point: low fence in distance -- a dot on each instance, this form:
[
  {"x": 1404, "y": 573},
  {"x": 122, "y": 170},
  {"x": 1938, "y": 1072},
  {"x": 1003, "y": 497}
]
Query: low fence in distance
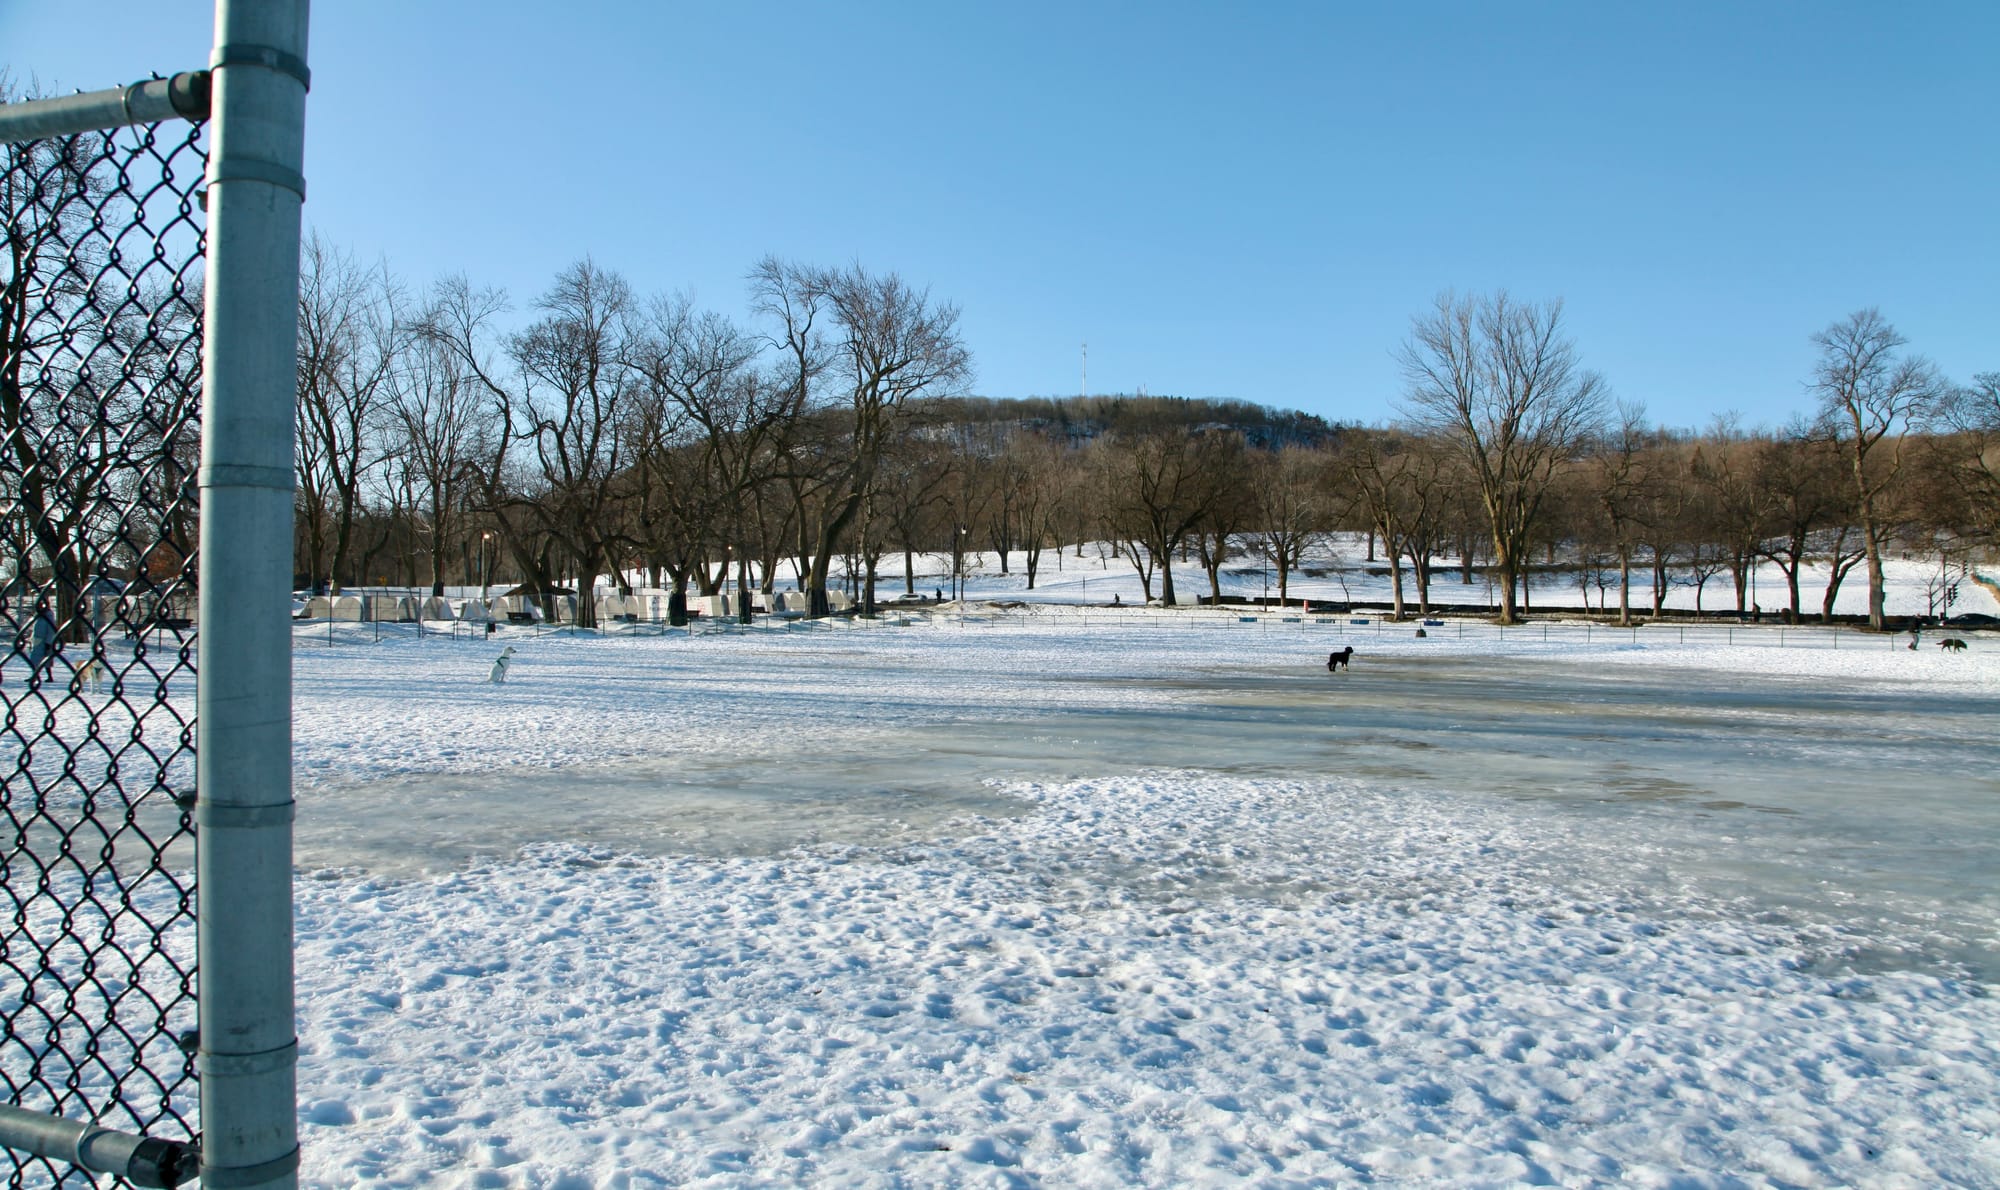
[{"x": 1012, "y": 615}]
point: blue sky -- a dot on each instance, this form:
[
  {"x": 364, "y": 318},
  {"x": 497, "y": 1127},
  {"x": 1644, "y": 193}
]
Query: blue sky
[{"x": 1245, "y": 201}]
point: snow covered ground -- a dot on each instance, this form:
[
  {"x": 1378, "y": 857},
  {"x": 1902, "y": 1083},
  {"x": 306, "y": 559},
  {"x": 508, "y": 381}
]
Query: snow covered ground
[
  {"x": 1069, "y": 898},
  {"x": 1341, "y": 571}
]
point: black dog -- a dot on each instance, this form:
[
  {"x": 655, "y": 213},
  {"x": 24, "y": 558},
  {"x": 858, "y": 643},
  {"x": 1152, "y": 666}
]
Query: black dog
[
  {"x": 1952, "y": 644},
  {"x": 1338, "y": 658}
]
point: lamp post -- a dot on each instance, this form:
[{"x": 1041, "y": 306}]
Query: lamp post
[
  {"x": 485, "y": 565},
  {"x": 958, "y": 566}
]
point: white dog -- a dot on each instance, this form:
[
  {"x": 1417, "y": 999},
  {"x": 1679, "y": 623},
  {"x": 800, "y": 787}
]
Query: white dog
[{"x": 499, "y": 675}]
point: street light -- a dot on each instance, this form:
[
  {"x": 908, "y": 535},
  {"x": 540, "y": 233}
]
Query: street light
[
  {"x": 485, "y": 566},
  {"x": 958, "y": 567}
]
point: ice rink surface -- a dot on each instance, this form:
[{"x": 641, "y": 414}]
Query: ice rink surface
[{"x": 1085, "y": 899}]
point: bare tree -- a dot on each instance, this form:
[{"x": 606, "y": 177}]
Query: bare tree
[
  {"x": 1578, "y": 520},
  {"x": 702, "y": 428},
  {"x": 1841, "y": 549},
  {"x": 1798, "y": 475},
  {"x": 1430, "y": 496},
  {"x": 1045, "y": 483},
  {"x": 705, "y": 365},
  {"x": 351, "y": 335},
  {"x": 916, "y": 473},
  {"x": 1157, "y": 488},
  {"x": 1219, "y": 534},
  {"x": 1726, "y": 468},
  {"x": 577, "y": 380},
  {"x": 98, "y": 382},
  {"x": 1292, "y": 509},
  {"x": 460, "y": 320},
  {"x": 1116, "y": 526},
  {"x": 674, "y": 497},
  {"x": 1426, "y": 497},
  {"x": 963, "y": 500},
  {"x": 1003, "y": 472},
  {"x": 1618, "y": 475},
  {"x": 1500, "y": 381},
  {"x": 885, "y": 344},
  {"x": 51, "y": 471},
  {"x": 435, "y": 407},
  {"x": 1970, "y": 456},
  {"x": 1394, "y": 483},
  {"x": 1871, "y": 396}
]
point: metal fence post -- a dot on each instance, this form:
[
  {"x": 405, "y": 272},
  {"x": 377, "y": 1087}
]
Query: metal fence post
[{"x": 248, "y": 1042}]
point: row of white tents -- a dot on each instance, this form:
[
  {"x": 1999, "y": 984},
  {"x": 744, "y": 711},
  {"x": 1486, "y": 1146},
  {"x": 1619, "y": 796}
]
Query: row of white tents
[{"x": 641, "y": 606}]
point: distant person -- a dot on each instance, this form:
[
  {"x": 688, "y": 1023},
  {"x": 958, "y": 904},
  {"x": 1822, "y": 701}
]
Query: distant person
[
  {"x": 937, "y": 595},
  {"x": 41, "y": 644},
  {"x": 1114, "y": 600}
]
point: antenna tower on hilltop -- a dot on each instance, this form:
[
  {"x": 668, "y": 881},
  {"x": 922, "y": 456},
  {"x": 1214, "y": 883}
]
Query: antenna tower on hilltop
[{"x": 1083, "y": 389}]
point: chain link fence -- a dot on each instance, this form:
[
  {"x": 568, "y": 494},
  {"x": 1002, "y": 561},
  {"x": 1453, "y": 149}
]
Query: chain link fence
[{"x": 100, "y": 401}]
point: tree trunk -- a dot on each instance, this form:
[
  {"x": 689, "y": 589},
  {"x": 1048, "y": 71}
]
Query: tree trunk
[
  {"x": 437, "y": 563},
  {"x": 1625, "y": 588},
  {"x": 1142, "y": 564},
  {"x": 1877, "y": 601}
]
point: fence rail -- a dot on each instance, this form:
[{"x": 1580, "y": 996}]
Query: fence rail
[{"x": 322, "y": 631}]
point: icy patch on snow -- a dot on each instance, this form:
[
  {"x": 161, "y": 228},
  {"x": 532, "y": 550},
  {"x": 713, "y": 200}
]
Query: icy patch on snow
[{"x": 1482, "y": 911}]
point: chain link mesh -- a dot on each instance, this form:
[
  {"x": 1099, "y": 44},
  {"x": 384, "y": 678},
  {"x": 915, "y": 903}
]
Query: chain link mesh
[{"x": 100, "y": 371}]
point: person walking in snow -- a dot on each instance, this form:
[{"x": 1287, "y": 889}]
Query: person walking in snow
[{"x": 41, "y": 644}]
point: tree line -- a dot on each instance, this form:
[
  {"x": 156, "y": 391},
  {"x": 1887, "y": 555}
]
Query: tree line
[
  {"x": 598, "y": 434},
  {"x": 611, "y": 434},
  {"x": 614, "y": 436}
]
